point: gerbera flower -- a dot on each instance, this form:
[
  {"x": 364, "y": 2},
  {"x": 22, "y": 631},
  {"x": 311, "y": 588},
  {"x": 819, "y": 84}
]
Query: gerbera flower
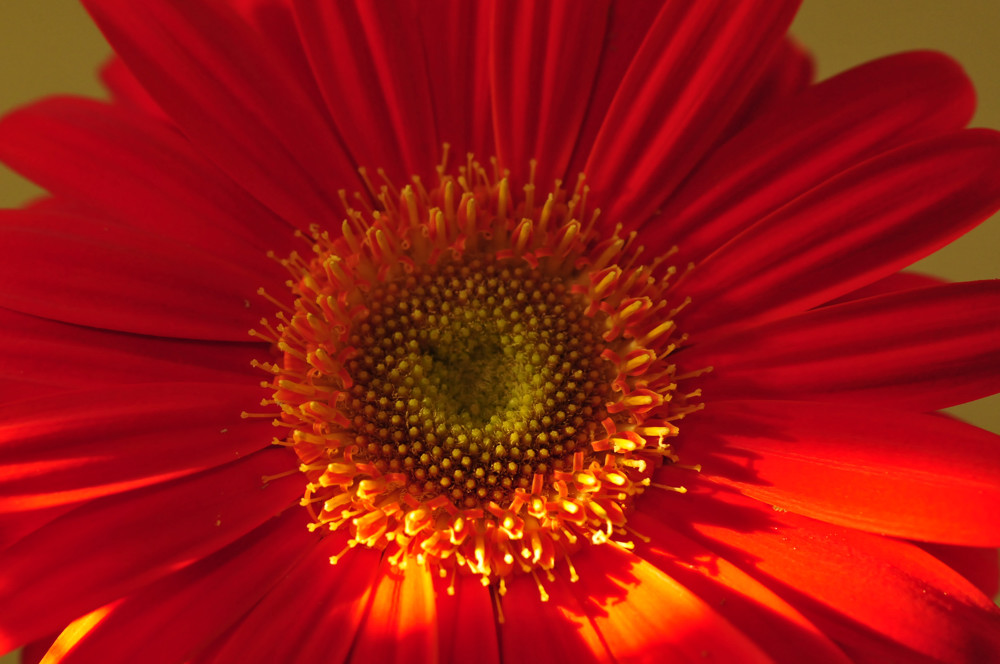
[{"x": 682, "y": 407}]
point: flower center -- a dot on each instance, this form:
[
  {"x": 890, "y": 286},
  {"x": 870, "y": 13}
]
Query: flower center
[
  {"x": 472, "y": 381},
  {"x": 472, "y": 377}
]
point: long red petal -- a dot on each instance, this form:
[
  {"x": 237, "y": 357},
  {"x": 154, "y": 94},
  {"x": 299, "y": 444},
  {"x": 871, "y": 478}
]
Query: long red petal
[
  {"x": 140, "y": 173},
  {"x": 686, "y": 82},
  {"x": 879, "y": 598},
  {"x": 629, "y": 600},
  {"x": 142, "y": 535},
  {"x": 77, "y": 446},
  {"x": 542, "y": 62},
  {"x": 15, "y": 526},
  {"x": 274, "y": 22},
  {"x": 466, "y": 621},
  {"x": 215, "y": 77},
  {"x": 553, "y": 631},
  {"x": 402, "y": 621},
  {"x": 33, "y": 652},
  {"x": 456, "y": 45},
  {"x": 175, "y": 617},
  {"x": 93, "y": 272},
  {"x": 312, "y": 615},
  {"x": 367, "y": 59},
  {"x": 864, "y": 224},
  {"x": 627, "y": 25},
  {"x": 899, "y": 281},
  {"x": 775, "y": 626},
  {"x": 980, "y": 565},
  {"x": 789, "y": 72},
  {"x": 808, "y": 139},
  {"x": 920, "y": 349},
  {"x": 127, "y": 91},
  {"x": 40, "y": 356},
  {"x": 923, "y": 477}
]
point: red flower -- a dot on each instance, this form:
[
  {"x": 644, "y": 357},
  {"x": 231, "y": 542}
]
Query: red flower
[{"x": 522, "y": 435}]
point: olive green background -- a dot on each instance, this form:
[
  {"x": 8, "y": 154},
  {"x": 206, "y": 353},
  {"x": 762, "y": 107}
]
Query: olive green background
[{"x": 50, "y": 46}]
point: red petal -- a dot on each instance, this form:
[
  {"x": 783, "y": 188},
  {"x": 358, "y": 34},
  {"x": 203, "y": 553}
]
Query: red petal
[
  {"x": 686, "y": 82},
  {"x": 368, "y": 62},
  {"x": 774, "y": 625},
  {"x": 553, "y": 631},
  {"x": 143, "y": 174},
  {"x": 115, "y": 545},
  {"x": 981, "y": 566},
  {"x": 40, "y": 356},
  {"x": 218, "y": 81},
  {"x": 628, "y": 599},
  {"x": 860, "y": 226},
  {"x": 880, "y": 599},
  {"x": 77, "y": 446},
  {"x": 627, "y": 25},
  {"x": 274, "y": 22},
  {"x": 542, "y": 62},
  {"x": 789, "y": 72},
  {"x": 923, "y": 477},
  {"x": 465, "y": 621},
  {"x": 808, "y": 139},
  {"x": 33, "y": 652},
  {"x": 126, "y": 90},
  {"x": 173, "y": 618},
  {"x": 402, "y": 620},
  {"x": 899, "y": 281},
  {"x": 312, "y": 615},
  {"x": 96, "y": 273},
  {"x": 75, "y": 631},
  {"x": 455, "y": 44},
  {"x": 15, "y": 526},
  {"x": 920, "y": 349}
]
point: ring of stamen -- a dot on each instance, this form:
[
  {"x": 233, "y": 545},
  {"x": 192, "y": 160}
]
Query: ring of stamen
[{"x": 473, "y": 381}]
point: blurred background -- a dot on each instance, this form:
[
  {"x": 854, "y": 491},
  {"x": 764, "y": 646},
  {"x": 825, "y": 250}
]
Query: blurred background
[{"x": 50, "y": 46}]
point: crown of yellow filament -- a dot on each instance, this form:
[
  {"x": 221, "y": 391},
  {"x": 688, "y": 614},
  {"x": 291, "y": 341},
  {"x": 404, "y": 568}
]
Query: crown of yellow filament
[{"x": 475, "y": 381}]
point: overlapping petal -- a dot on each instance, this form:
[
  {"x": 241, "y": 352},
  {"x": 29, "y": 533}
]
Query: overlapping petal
[
  {"x": 330, "y": 603},
  {"x": 92, "y": 443},
  {"x": 921, "y": 349},
  {"x": 551, "y": 631},
  {"x": 778, "y": 629},
  {"x": 862, "y": 225},
  {"x": 401, "y": 625},
  {"x": 466, "y": 623},
  {"x": 924, "y": 477},
  {"x": 880, "y": 599},
  {"x": 97, "y": 273},
  {"x": 139, "y": 172},
  {"x": 452, "y": 33},
  {"x": 242, "y": 112},
  {"x": 977, "y": 564},
  {"x": 40, "y": 356},
  {"x": 627, "y": 25},
  {"x": 644, "y": 615},
  {"x": 687, "y": 80},
  {"x": 800, "y": 143},
  {"x": 537, "y": 105},
  {"x": 178, "y": 615},
  {"x": 154, "y": 530},
  {"x": 371, "y": 71}
]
